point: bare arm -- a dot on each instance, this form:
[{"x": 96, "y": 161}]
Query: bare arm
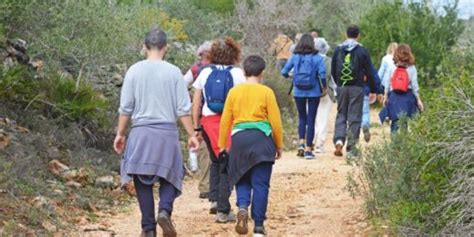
[{"x": 197, "y": 106}]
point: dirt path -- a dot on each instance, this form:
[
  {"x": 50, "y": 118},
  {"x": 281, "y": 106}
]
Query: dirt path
[{"x": 307, "y": 198}]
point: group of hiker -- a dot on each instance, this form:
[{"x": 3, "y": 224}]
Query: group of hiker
[{"x": 233, "y": 121}]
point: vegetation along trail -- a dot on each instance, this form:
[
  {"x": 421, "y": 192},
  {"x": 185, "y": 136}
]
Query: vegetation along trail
[{"x": 307, "y": 198}]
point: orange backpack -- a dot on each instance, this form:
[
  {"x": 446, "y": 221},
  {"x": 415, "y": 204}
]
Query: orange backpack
[{"x": 400, "y": 80}]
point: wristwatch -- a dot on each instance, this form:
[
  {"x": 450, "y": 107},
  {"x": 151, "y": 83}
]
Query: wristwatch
[{"x": 198, "y": 129}]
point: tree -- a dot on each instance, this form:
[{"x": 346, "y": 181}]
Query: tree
[{"x": 430, "y": 35}]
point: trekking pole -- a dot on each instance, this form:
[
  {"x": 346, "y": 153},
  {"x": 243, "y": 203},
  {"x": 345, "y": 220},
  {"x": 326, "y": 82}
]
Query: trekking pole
[{"x": 291, "y": 87}]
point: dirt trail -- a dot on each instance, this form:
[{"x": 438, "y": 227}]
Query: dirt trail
[{"x": 307, "y": 198}]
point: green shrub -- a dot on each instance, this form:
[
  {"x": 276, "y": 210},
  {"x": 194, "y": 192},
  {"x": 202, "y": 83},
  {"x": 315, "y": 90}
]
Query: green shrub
[
  {"x": 56, "y": 97},
  {"x": 420, "y": 179}
]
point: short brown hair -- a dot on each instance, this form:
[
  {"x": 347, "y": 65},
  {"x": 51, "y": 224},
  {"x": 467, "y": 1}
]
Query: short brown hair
[
  {"x": 403, "y": 55},
  {"x": 225, "y": 51}
]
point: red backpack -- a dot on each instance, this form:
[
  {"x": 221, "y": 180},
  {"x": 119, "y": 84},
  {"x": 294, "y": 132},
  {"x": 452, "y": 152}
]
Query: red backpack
[
  {"x": 197, "y": 68},
  {"x": 400, "y": 80}
]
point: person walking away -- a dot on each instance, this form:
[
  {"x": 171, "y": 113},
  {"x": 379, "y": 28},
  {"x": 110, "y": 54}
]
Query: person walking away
[
  {"x": 309, "y": 82},
  {"x": 213, "y": 84},
  {"x": 369, "y": 98},
  {"x": 204, "y": 54},
  {"x": 350, "y": 64},
  {"x": 387, "y": 61},
  {"x": 325, "y": 102},
  {"x": 293, "y": 46},
  {"x": 402, "y": 93},
  {"x": 153, "y": 97},
  {"x": 281, "y": 48},
  {"x": 251, "y": 112}
]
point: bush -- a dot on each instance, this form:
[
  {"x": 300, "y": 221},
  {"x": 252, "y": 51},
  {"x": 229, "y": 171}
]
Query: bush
[
  {"x": 56, "y": 97},
  {"x": 420, "y": 180}
]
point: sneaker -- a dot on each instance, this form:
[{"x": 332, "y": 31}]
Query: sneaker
[
  {"x": 300, "y": 150},
  {"x": 366, "y": 131},
  {"x": 225, "y": 217},
  {"x": 339, "y": 146},
  {"x": 319, "y": 150},
  {"x": 213, "y": 209},
  {"x": 242, "y": 222},
  {"x": 259, "y": 231},
  {"x": 309, "y": 155},
  {"x": 204, "y": 195},
  {"x": 149, "y": 233},
  {"x": 164, "y": 220}
]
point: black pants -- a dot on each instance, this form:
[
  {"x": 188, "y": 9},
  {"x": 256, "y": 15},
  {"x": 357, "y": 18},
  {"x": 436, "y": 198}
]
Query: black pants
[
  {"x": 219, "y": 188},
  {"x": 350, "y": 100}
]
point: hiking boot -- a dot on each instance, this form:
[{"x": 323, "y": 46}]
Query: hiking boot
[
  {"x": 309, "y": 155},
  {"x": 213, "y": 209},
  {"x": 203, "y": 195},
  {"x": 148, "y": 233},
  {"x": 242, "y": 222},
  {"x": 164, "y": 220},
  {"x": 225, "y": 217},
  {"x": 366, "y": 131},
  {"x": 259, "y": 231},
  {"x": 339, "y": 146},
  {"x": 300, "y": 150}
]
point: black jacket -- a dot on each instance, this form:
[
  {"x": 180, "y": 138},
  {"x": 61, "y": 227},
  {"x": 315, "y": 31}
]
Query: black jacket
[{"x": 360, "y": 65}]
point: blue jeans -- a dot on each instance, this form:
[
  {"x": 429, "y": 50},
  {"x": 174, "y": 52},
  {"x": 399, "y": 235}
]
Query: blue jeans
[
  {"x": 168, "y": 194},
  {"x": 366, "y": 112},
  {"x": 257, "y": 180},
  {"x": 307, "y": 108}
]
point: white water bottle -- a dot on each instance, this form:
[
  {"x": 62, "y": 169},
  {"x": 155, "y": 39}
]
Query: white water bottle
[{"x": 193, "y": 161}]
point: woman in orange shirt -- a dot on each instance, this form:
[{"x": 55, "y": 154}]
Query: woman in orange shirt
[{"x": 252, "y": 117}]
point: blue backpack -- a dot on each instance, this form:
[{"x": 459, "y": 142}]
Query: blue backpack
[
  {"x": 217, "y": 87},
  {"x": 303, "y": 77}
]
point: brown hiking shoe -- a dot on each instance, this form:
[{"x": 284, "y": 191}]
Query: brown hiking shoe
[
  {"x": 339, "y": 146},
  {"x": 242, "y": 222},
  {"x": 164, "y": 220}
]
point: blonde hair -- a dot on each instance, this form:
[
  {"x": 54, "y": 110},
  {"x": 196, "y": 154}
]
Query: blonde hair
[{"x": 391, "y": 48}]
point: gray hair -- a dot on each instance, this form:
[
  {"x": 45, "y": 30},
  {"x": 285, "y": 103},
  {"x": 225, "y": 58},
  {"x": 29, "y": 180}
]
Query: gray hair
[
  {"x": 155, "y": 39},
  {"x": 205, "y": 47},
  {"x": 321, "y": 45}
]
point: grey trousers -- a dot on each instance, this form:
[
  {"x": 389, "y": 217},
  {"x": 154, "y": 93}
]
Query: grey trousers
[
  {"x": 204, "y": 168},
  {"x": 350, "y": 100}
]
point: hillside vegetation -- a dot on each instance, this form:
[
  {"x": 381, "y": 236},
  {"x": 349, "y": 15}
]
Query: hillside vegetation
[{"x": 63, "y": 62}]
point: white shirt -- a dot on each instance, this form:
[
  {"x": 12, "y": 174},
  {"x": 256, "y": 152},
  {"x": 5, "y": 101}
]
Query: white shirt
[
  {"x": 237, "y": 75},
  {"x": 188, "y": 77}
]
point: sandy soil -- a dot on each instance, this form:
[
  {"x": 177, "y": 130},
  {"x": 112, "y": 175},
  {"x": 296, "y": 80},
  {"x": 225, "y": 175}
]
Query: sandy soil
[{"x": 307, "y": 198}]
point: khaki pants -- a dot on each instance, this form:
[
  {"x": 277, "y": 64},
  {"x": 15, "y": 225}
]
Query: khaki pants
[{"x": 204, "y": 165}]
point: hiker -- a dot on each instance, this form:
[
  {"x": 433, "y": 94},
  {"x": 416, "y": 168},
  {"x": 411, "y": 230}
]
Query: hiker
[
  {"x": 387, "y": 61},
  {"x": 204, "y": 54},
  {"x": 369, "y": 98},
  {"x": 350, "y": 64},
  {"x": 309, "y": 81},
  {"x": 213, "y": 84},
  {"x": 281, "y": 48},
  {"x": 326, "y": 100},
  {"x": 153, "y": 97},
  {"x": 402, "y": 93},
  {"x": 297, "y": 39},
  {"x": 251, "y": 112}
]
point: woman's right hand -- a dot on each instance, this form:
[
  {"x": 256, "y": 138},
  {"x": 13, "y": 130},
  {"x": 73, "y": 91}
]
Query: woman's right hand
[
  {"x": 119, "y": 143},
  {"x": 193, "y": 143}
]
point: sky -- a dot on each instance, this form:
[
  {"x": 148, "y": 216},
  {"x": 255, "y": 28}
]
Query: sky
[{"x": 465, "y": 7}]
